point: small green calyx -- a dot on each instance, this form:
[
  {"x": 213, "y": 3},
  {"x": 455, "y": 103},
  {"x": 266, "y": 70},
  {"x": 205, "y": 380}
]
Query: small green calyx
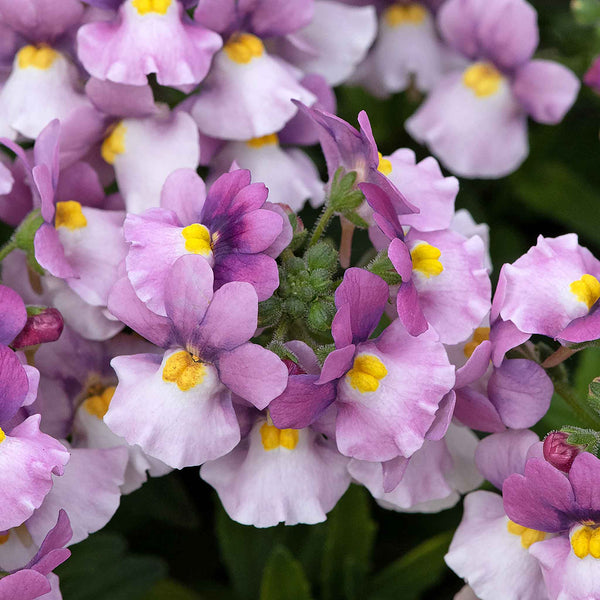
[
  {"x": 587, "y": 439},
  {"x": 344, "y": 197},
  {"x": 381, "y": 265}
]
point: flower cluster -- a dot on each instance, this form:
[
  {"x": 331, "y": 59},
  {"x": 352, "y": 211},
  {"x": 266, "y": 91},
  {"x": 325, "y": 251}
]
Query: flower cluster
[{"x": 152, "y": 319}]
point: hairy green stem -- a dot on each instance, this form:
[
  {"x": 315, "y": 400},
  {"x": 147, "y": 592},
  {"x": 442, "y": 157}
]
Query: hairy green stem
[
  {"x": 7, "y": 249},
  {"x": 321, "y": 225}
]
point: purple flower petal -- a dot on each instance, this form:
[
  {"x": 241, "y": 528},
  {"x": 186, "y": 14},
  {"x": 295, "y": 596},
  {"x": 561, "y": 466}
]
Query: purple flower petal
[
  {"x": 50, "y": 253},
  {"x": 337, "y": 364},
  {"x": 184, "y": 193},
  {"x": 13, "y": 384},
  {"x": 13, "y": 315}
]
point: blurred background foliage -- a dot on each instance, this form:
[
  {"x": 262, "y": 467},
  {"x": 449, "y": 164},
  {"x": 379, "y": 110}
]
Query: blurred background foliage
[{"x": 171, "y": 540}]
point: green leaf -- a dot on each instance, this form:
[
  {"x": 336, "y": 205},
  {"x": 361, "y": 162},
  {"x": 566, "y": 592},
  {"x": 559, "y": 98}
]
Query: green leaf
[
  {"x": 283, "y": 578},
  {"x": 356, "y": 220},
  {"x": 415, "y": 572},
  {"x": 100, "y": 568},
  {"x": 168, "y": 589},
  {"x": 348, "y": 545}
]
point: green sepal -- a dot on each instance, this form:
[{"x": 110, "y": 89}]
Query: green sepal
[
  {"x": 324, "y": 351},
  {"x": 356, "y": 220},
  {"x": 269, "y": 311},
  {"x": 343, "y": 196},
  {"x": 381, "y": 265},
  {"x": 587, "y": 439},
  {"x": 320, "y": 315},
  {"x": 587, "y": 12},
  {"x": 322, "y": 255}
]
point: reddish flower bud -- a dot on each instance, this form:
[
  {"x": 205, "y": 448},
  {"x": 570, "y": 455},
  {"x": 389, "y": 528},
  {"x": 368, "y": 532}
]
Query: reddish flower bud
[
  {"x": 45, "y": 326},
  {"x": 292, "y": 367},
  {"x": 558, "y": 452}
]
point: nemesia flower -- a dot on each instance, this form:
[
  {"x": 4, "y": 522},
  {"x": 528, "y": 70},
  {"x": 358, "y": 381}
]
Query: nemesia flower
[
  {"x": 147, "y": 36},
  {"x": 35, "y": 579},
  {"x": 551, "y": 290},
  {"x": 380, "y": 413},
  {"x": 228, "y": 228},
  {"x": 546, "y": 499},
  {"x": 493, "y": 553},
  {"x": 475, "y": 120},
  {"x": 408, "y": 49},
  {"x": 248, "y": 92},
  {"x": 207, "y": 357}
]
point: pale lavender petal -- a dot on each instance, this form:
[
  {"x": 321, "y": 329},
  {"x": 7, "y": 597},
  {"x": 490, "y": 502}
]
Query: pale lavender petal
[
  {"x": 584, "y": 478},
  {"x": 13, "y": 384},
  {"x": 337, "y": 364},
  {"x": 50, "y": 253},
  {"x": 184, "y": 193},
  {"x": 13, "y": 315},
  {"x": 121, "y": 100},
  {"x": 258, "y": 269}
]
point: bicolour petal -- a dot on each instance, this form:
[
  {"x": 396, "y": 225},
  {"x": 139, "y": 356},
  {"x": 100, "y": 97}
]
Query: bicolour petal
[
  {"x": 179, "y": 427},
  {"x": 138, "y": 43},
  {"x": 546, "y": 90},
  {"x": 262, "y": 486},
  {"x": 473, "y": 136},
  {"x": 29, "y": 458}
]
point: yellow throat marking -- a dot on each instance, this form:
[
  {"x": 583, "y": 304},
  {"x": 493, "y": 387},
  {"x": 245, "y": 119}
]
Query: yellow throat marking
[
  {"x": 481, "y": 334},
  {"x": 483, "y": 78},
  {"x": 114, "y": 144},
  {"x": 586, "y": 540},
  {"x": 586, "y": 289},
  {"x": 69, "y": 215},
  {"x": 243, "y": 47},
  {"x": 272, "y": 437},
  {"x": 528, "y": 536},
  {"x": 405, "y": 14},
  {"x": 266, "y": 140},
  {"x": 145, "y": 7},
  {"x": 426, "y": 259},
  {"x": 197, "y": 239},
  {"x": 37, "y": 57},
  {"x": 366, "y": 373},
  {"x": 185, "y": 370},
  {"x": 98, "y": 404},
  {"x": 385, "y": 165},
  {"x": 2, "y": 435}
]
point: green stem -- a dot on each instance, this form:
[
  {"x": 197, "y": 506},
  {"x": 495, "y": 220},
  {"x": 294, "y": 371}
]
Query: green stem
[
  {"x": 567, "y": 393},
  {"x": 280, "y": 331},
  {"x": 321, "y": 225},
  {"x": 7, "y": 249}
]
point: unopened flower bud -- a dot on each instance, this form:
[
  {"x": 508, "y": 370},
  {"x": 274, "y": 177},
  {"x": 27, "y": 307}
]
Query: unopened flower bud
[
  {"x": 42, "y": 326},
  {"x": 558, "y": 452},
  {"x": 292, "y": 367}
]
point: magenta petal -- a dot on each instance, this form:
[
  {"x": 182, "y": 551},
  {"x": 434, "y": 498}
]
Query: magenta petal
[
  {"x": 542, "y": 499},
  {"x": 278, "y": 17},
  {"x": 258, "y": 269},
  {"x": 120, "y": 100},
  {"x": 51, "y": 552},
  {"x": 500, "y": 455},
  {"x": 367, "y": 295},
  {"x": 409, "y": 309},
  {"x": 505, "y": 336},
  {"x": 24, "y": 585},
  {"x": 546, "y": 89},
  {"x": 584, "y": 477},
  {"x": 81, "y": 181},
  {"x": 254, "y": 373},
  {"x": 230, "y": 319},
  {"x": 393, "y": 471},
  {"x": 225, "y": 189},
  {"x": 521, "y": 392},
  {"x": 385, "y": 216},
  {"x": 184, "y": 193},
  {"x": 475, "y": 410},
  {"x": 341, "y": 327},
  {"x": 50, "y": 253},
  {"x": 13, "y": 315},
  {"x": 256, "y": 231},
  {"x": 302, "y": 402},
  {"x": 188, "y": 292},
  {"x": 337, "y": 364},
  {"x": 476, "y": 365},
  {"x": 128, "y": 308},
  {"x": 13, "y": 384},
  {"x": 443, "y": 417}
]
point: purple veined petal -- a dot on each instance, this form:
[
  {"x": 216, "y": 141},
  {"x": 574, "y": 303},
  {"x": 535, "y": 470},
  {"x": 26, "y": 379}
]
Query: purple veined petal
[
  {"x": 341, "y": 327},
  {"x": 255, "y": 231},
  {"x": 282, "y": 241},
  {"x": 409, "y": 309},
  {"x": 475, "y": 410},
  {"x": 302, "y": 402},
  {"x": 188, "y": 293},
  {"x": 443, "y": 417},
  {"x": 546, "y": 89},
  {"x": 521, "y": 391},
  {"x": 542, "y": 499},
  {"x": 46, "y": 149},
  {"x": 50, "y": 253},
  {"x": 13, "y": 384},
  {"x": 184, "y": 193},
  {"x": 393, "y": 471},
  {"x": 230, "y": 319},
  {"x": 399, "y": 254},
  {"x": 121, "y": 100},
  {"x": 476, "y": 365},
  {"x": 254, "y": 373},
  {"x": 44, "y": 190},
  {"x": 128, "y": 308},
  {"x": 385, "y": 216},
  {"x": 25, "y": 584},
  {"x": 500, "y": 455},
  {"x": 582, "y": 329},
  {"x": 51, "y": 552},
  {"x": 367, "y": 294},
  {"x": 505, "y": 336},
  {"x": 337, "y": 364},
  {"x": 225, "y": 189},
  {"x": 583, "y": 476},
  {"x": 13, "y": 315},
  {"x": 81, "y": 181}
]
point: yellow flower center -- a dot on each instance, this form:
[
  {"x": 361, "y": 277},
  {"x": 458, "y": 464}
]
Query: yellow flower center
[
  {"x": 384, "y": 166},
  {"x": 366, "y": 373},
  {"x": 528, "y": 536},
  {"x": 197, "y": 239},
  {"x": 479, "y": 335},
  {"x": 405, "y": 14},
  {"x": 69, "y": 215},
  {"x": 426, "y": 259},
  {"x": 272, "y": 437},
  {"x": 483, "y": 78},
  {"x": 586, "y": 540},
  {"x": 586, "y": 289},
  {"x": 114, "y": 144},
  {"x": 265, "y": 140},
  {"x": 151, "y": 6},
  {"x": 38, "y": 57},
  {"x": 185, "y": 370},
  {"x": 2, "y": 435},
  {"x": 243, "y": 47},
  {"x": 98, "y": 403}
]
